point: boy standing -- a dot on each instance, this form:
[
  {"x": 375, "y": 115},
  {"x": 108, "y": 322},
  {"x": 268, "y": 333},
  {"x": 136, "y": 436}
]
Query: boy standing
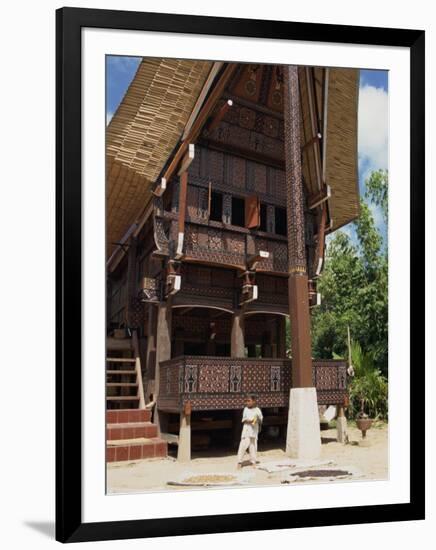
[{"x": 251, "y": 424}]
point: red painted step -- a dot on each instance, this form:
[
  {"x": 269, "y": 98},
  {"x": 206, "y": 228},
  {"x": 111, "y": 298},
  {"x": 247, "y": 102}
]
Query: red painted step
[
  {"x": 153, "y": 448},
  {"x": 117, "y": 416},
  {"x": 130, "y": 430},
  {"x": 132, "y": 436}
]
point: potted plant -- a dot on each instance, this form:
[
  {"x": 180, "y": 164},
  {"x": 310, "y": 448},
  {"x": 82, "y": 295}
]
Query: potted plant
[{"x": 368, "y": 389}]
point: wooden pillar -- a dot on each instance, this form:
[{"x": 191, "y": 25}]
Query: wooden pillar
[
  {"x": 237, "y": 342},
  {"x": 297, "y": 265},
  {"x": 150, "y": 354},
  {"x": 237, "y": 349},
  {"x": 303, "y": 438},
  {"x": 131, "y": 280},
  {"x": 163, "y": 353},
  {"x": 281, "y": 337}
]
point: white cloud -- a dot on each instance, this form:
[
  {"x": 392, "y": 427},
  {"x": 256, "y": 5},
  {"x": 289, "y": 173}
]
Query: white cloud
[
  {"x": 373, "y": 127},
  {"x": 109, "y": 116}
]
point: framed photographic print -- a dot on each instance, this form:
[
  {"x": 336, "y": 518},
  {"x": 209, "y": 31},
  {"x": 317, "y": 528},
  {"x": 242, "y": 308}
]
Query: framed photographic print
[{"x": 240, "y": 253}]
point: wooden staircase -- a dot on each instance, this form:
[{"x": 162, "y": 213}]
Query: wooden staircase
[{"x": 130, "y": 433}]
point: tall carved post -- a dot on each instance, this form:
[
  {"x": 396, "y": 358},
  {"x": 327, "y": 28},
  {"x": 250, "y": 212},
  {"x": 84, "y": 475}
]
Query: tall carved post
[
  {"x": 237, "y": 349},
  {"x": 163, "y": 353},
  {"x": 303, "y": 435}
]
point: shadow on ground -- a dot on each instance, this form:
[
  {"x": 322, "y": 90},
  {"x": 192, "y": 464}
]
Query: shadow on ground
[{"x": 46, "y": 528}]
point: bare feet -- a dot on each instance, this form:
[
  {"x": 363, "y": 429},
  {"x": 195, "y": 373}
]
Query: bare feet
[{"x": 239, "y": 466}]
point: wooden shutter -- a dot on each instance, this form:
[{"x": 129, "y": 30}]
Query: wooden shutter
[{"x": 252, "y": 212}]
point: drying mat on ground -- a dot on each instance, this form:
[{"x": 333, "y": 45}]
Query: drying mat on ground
[
  {"x": 212, "y": 479},
  {"x": 322, "y": 474},
  {"x": 290, "y": 464}
]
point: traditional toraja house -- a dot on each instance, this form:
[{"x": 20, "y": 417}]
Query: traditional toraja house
[{"x": 223, "y": 180}]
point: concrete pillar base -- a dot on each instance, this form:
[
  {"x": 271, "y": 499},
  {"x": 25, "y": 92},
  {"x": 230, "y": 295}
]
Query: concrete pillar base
[
  {"x": 184, "y": 449},
  {"x": 341, "y": 429},
  {"x": 303, "y": 436}
]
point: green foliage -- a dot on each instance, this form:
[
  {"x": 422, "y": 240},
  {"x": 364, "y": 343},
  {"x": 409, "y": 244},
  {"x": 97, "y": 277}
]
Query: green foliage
[
  {"x": 354, "y": 286},
  {"x": 377, "y": 190},
  {"x": 368, "y": 388}
]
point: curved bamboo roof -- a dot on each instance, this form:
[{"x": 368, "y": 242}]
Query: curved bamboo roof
[
  {"x": 341, "y": 145},
  {"x": 143, "y": 133},
  {"x": 335, "y": 99},
  {"x": 152, "y": 116}
]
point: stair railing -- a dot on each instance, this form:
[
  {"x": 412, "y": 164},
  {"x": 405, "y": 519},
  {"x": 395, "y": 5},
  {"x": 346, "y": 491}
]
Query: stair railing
[{"x": 138, "y": 370}]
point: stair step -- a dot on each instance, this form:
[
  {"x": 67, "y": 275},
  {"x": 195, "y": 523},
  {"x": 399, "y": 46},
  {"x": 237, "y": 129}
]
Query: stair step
[
  {"x": 120, "y": 360},
  {"x": 120, "y": 416},
  {"x": 122, "y": 384},
  {"x": 136, "y": 449},
  {"x": 130, "y": 430},
  {"x": 131, "y": 372}
]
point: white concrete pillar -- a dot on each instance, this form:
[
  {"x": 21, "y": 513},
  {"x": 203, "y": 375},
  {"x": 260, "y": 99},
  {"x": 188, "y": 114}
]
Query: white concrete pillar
[
  {"x": 184, "y": 449},
  {"x": 303, "y": 437},
  {"x": 341, "y": 426}
]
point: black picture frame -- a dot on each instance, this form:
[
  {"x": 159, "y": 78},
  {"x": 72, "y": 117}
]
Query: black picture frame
[{"x": 69, "y": 22}]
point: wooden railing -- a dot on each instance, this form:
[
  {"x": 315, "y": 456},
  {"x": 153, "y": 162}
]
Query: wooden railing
[
  {"x": 211, "y": 383},
  {"x": 218, "y": 243},
  {"x": 135, "y": 345}
]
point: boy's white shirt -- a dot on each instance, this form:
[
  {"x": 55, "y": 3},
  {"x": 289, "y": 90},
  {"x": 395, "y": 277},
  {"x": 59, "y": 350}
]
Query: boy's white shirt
[{"x": 251, "y": 430}]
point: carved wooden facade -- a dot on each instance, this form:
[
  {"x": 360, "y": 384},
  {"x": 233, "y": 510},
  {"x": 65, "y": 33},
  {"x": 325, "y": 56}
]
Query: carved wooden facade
[{"x": 215, "y": 245}]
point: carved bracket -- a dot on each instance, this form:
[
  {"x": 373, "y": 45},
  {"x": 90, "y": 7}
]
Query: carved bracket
[
  {"x": 173, "y": 279},
  {"x": 151, "y": 291},
  {"x": 250, "y": 290},
  {"x": 160, "y": 237}
]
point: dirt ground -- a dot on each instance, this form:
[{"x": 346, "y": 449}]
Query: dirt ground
[{"x": 362, "y": 461}]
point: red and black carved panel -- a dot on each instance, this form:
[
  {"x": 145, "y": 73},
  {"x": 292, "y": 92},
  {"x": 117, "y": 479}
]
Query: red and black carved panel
[
  {"x": 214, "y": 379},
  {"x": 214, "y": 245},
  {"x": 214, "y": 383},
  {"x": 257, "y": 378}
]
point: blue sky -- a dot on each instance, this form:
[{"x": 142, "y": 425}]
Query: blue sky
[{"x": 373, "y": 118}]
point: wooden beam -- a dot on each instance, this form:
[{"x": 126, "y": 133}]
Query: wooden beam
[
  {"x": 219, "y": 116},
  {"x": 319, "y": 257},
  {"x": 318, "y": 198},
  {"x": 161, "y": 188},
  {"x": 314, "y": 124},
  {"x": 182, "y": 213},
  {"x": 211, "y": 77},
  {"x": 187, "y": 159}
]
